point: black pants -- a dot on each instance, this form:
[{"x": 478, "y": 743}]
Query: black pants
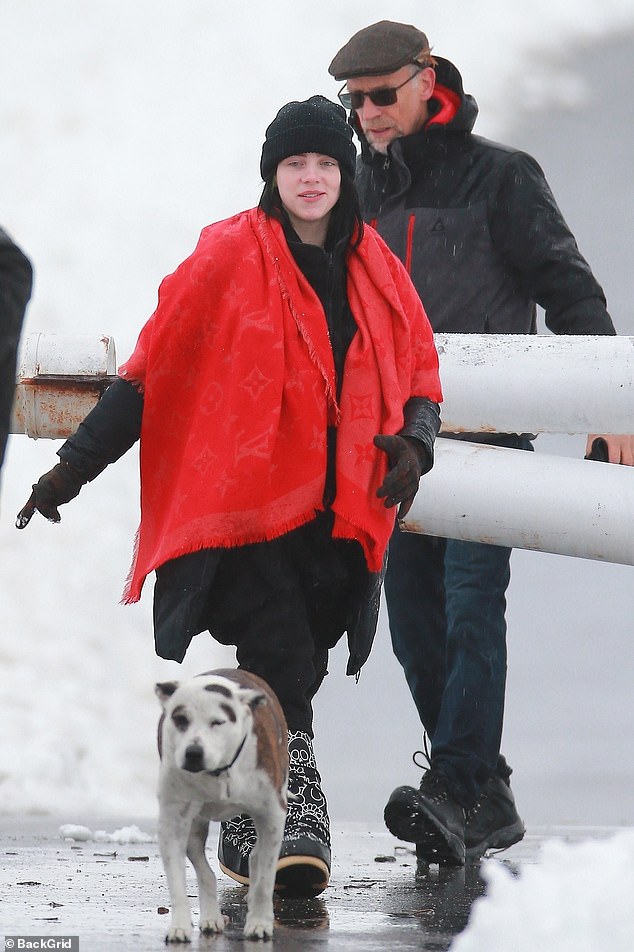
[{"x": 284, "y": 604}]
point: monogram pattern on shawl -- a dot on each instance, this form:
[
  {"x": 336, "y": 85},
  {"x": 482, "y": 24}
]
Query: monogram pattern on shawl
[
  {"x": 361, "y": 406},
  {"x": 238, "y": 376}
]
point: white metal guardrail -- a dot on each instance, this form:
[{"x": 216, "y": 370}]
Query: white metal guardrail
[
  {"x": 527, "y": 500},
  {"x": 59, "y": 381},
  {"x": 503, "y": 383},
  {"x": 518, "y": 383}
]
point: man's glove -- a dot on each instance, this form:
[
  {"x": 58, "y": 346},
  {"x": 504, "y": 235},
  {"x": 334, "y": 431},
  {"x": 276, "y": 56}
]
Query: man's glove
[
  {"x": 408, "y": 459},
  {"x": 59, "y": 485},
  {"x": 599, "y": 450}
]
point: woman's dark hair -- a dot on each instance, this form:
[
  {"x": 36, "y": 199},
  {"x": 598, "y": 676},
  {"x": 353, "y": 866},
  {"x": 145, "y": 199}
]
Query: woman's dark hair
[{"x": 345, "y": 219}]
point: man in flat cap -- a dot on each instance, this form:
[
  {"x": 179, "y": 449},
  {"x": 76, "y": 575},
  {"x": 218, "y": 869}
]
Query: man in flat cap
[{"x": 478, "y": 228}]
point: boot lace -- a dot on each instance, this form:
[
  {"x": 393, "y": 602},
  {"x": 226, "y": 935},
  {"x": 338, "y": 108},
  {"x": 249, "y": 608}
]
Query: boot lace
[
  {"x": 433, "y": 783},
  {"x": 425, "y": 753}
]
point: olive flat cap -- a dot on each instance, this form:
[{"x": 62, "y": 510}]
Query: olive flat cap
[{"x": 381, "y": 48}]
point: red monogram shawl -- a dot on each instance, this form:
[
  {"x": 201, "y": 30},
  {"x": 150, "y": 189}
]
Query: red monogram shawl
[{"x": 239, "y": 387}]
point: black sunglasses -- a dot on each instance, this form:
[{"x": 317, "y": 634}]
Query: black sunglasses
[{"x": 384, "y": 96}]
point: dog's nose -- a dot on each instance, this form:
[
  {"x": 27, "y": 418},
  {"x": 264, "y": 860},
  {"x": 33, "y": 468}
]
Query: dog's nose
[{"x": 194, "y": 758}]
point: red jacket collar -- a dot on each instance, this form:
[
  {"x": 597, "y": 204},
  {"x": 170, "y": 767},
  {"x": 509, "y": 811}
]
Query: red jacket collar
[{"x": 449, "y": 103}]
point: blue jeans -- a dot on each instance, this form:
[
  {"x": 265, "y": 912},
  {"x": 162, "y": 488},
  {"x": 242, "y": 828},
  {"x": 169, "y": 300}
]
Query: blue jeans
[{"x": 446, "y": 603}]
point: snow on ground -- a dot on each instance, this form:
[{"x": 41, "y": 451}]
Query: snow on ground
[
  {"x": 83, "y": 834},
  {"x": 578, "y": 898},
  {"x": 124, "y": 128}
]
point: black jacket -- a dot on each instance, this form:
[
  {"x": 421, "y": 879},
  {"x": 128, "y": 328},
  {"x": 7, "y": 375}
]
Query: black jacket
[
  {"x": 477, "y": 226},
  {"x": 16, "y": 279}
]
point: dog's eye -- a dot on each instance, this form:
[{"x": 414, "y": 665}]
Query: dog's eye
[
  {"x": 180, "y": 722},
  {"x": 216, "y": 723}
]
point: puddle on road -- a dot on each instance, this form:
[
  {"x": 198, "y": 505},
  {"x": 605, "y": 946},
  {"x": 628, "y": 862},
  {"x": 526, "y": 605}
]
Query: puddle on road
[{"x": 353, "y": 920}]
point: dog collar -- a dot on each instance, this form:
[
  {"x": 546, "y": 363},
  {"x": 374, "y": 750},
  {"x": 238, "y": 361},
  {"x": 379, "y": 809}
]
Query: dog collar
[{"x": 219, "y": 770}]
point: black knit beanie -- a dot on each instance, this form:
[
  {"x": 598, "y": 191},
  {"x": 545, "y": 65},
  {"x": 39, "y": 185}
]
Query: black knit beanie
[{"x": 316, "y": 125}]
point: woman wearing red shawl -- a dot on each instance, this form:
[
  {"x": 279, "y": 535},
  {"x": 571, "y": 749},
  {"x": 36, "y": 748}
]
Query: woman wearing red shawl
[{"x": 285, "y": 393}]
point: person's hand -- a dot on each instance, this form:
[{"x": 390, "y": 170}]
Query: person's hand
[
  {"x": 408, "y": 458},
  {"x": 620, "y": 449},
  {"x": 53, "y": 489}
]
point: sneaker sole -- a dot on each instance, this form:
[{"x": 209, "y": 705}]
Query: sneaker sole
[
  {"x": 433, "y": 845},
  {"x": 499, "y": 840},
  {"x": 243, "y": 880},
  {"x": 297, "y": 876},
  {"x": 301, "y": 876}
]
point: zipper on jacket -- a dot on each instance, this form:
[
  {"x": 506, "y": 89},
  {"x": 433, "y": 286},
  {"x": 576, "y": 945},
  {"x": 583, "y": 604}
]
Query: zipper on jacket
[
  {"x": 379, "y": 182},
  {"x": 408, "y": 244}
]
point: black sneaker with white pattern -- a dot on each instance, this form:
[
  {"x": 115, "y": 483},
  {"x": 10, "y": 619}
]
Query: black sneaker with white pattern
[{"x": 303, "y": 869}]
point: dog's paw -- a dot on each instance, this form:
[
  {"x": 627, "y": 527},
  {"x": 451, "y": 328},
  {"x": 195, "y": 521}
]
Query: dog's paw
[
  {"x": 177, "y": 934},
  {"x": 258, "y": 927},
  {"x": 212, "y": 926}
]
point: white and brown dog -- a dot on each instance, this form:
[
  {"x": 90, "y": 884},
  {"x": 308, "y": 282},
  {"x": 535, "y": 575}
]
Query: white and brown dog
[{"x": 224, "y": 750}]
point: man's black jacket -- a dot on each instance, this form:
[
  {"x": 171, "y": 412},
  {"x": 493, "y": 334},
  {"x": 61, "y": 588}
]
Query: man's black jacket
[{"x": 477, "y": 226}]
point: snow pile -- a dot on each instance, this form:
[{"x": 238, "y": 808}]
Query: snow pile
[
  {"x": 577, "y": 899},
  {"x": 82, "y": 834}
]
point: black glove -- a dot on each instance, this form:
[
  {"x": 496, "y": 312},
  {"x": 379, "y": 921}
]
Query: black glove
[
  {"x": 408, "y": 459},
  {"x": 599, "y": 451},
  {"x": 59, "y": 485}
]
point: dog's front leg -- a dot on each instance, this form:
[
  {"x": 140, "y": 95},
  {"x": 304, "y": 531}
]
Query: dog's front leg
[
  {"x": 262, "y": 869},
  {"x": 175, "y": 820},
  {"x": 211, "y": 919}
]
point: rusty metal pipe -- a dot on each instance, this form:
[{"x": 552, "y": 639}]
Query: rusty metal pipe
[{"x": 59, "y": 381}]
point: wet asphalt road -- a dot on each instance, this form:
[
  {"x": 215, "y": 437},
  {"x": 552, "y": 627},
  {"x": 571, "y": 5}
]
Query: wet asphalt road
[{"x": 113, "y": 896}]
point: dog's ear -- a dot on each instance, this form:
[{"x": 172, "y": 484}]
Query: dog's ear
[
  {"x": 251, "y": 697},
  {"x": 164, "y": 690}
]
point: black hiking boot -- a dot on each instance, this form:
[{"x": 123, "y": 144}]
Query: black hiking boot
[
  {"x": 429, "y": 817},
  {"x": 303, "y": 869},
  {"x": 493, "y": 823}
]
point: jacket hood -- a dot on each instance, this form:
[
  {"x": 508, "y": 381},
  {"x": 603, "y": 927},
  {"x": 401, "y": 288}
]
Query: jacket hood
[
  {"x": 464, "y": 110},
  {"x": 450, "y": 108}
]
